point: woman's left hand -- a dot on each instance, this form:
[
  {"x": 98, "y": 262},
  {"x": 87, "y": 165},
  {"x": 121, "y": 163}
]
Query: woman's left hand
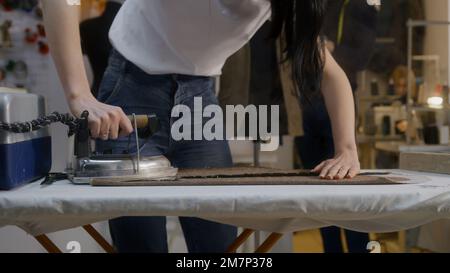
[{"x": 344, "y": 165}]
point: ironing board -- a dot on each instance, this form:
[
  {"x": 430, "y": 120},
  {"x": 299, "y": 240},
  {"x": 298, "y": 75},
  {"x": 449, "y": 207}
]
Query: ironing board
[{"x": 274, "y": 208}]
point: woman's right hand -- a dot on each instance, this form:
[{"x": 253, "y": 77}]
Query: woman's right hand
[{"x": 105, "y": 121}]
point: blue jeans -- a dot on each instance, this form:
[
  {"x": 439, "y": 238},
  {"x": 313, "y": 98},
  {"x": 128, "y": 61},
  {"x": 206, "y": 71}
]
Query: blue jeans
[
  {"x": 314, "y": 147},
  {"x": 135, "y": 91}
]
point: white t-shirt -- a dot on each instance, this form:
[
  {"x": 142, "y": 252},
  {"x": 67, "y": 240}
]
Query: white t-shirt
[{"x": 191, "y": 37}]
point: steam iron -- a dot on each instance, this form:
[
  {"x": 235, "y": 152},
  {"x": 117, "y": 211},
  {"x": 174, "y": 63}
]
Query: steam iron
[{"x": 88, "y": 167}]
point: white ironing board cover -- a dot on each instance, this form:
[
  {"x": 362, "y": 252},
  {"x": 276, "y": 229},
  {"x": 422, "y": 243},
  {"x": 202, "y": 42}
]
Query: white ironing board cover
[{"x": 44, "y": 209}]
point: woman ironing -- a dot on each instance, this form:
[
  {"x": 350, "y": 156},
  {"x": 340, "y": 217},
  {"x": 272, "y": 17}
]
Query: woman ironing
[{"x": 166, "y": 52}]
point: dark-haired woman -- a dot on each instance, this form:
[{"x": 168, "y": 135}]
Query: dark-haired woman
[
  {"x": 350, "y": 31},
  {"x": 166, "y": 52}
]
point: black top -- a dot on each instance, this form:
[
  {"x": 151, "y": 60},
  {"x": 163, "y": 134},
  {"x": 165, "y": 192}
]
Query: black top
[
  {"x": 358, "y": 34},
  {"x": 392, "y": 24},
  {"x": 95, "y": 41},
  {"x": 265, "y": 83}
]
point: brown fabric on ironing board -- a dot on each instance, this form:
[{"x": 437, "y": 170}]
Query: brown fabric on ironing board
[{"x": 256, "y": 176}]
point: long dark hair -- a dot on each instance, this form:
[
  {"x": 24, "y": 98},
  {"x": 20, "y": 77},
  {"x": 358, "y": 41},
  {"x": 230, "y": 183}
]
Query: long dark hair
[{"x": 300, "y": 23}]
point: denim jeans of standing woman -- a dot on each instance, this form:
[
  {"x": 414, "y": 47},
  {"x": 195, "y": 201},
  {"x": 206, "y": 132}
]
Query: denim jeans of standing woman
[
  {"x": 314, "y": 147},
  {"x": 127, "y": 86}
]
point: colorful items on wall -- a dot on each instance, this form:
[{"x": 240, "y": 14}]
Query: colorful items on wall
[
  {"x": 6, "y": 40},
  {"x": 17, "y": 68},
  {"x": 37, "y": 36},
  {"x": 22, "y": 40},
  {"x": 25, "y": 5}
]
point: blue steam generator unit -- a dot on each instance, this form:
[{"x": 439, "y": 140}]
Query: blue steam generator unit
[{"x": 25, "y": 156}]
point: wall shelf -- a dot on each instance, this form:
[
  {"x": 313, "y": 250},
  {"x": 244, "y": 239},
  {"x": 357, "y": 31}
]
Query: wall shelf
[{"x": 410, "y": 105}]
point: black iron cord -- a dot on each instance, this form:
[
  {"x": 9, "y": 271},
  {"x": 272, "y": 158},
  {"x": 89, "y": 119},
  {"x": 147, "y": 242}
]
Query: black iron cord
[{"x": 37, "y": 124}]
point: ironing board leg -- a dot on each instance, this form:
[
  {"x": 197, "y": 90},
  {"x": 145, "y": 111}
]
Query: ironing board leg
[
  {"x": 99, "y": 239},
  {"x": 240, "y": 240},
  {"x": 49, "y": 246},
  {"x": 269, "y": 243}
]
